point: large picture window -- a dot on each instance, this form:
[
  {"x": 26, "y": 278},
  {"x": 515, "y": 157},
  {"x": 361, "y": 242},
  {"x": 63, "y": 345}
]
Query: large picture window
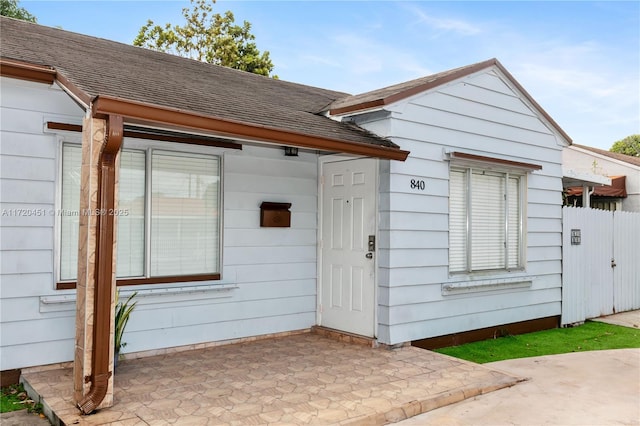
[
  {"x": 485, "y": 220},
  {"x": 168, "y": 214}
]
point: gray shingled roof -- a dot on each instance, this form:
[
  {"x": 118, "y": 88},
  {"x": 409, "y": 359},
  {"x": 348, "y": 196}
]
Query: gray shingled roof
[
  {"x": 103, "y": 67},
  {"x": 388, "y": 95},
  {"x": 621, "y": 157},
  {"x": 380, "y": 95}
]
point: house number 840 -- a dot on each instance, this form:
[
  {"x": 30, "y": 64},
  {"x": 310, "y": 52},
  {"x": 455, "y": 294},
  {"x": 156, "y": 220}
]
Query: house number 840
[{"x": 417, "y": 184}]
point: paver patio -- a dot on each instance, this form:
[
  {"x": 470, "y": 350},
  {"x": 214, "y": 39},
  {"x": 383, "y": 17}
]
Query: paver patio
[{"x": 300, "y": 379}]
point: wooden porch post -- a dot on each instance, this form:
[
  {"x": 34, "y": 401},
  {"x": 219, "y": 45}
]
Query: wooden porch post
[{"x": 93, "y": 364}]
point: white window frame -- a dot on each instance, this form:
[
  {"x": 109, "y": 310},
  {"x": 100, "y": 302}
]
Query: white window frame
[
  {"x": 147, "y": 146},
  {"x": 468, "y": 169}
]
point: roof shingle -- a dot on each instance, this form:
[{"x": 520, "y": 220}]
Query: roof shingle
[
  {"x": 391, "y": 93},
  {"x": 97, "y": 67}
]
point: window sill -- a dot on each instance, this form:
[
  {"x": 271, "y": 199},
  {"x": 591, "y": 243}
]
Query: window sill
[
  {"x": 147, "y": 296},
  {"x": 70, "y": 285},
  {"x": 476, "y": 286}
]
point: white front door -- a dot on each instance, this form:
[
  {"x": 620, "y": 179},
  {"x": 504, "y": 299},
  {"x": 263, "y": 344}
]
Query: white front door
[{"x": 348, "y": 265}]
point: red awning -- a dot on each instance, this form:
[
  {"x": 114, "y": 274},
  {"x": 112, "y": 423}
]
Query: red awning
[{"x": 617, "y": 189}]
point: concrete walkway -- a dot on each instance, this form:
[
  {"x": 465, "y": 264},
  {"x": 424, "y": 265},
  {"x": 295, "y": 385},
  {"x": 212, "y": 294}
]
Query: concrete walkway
[
  {"x": 629, "y": 319},
  {"x": 584, "y": 388},
  {"x": 22, "y": 418}
]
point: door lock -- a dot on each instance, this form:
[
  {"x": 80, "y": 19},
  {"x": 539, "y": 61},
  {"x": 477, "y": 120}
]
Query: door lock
[{"x": 372, "y": 243}]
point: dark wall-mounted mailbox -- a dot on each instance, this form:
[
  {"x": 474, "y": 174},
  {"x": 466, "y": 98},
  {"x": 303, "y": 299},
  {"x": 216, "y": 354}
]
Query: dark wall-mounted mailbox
[{"x": 275, "y": 215}]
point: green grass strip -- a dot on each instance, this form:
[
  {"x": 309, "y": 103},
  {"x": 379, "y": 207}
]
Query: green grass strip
[
  {"x": 12, "y": 399},
  {"x": 591, "y": 336}
]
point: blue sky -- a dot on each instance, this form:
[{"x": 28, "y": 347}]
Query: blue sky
[{"x": 579, "y": 60}]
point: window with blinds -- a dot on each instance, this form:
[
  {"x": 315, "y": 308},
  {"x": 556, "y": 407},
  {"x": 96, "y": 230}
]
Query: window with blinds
[
  {"x": 485, "y": 220},
  {"x": 70, "y": 211},
  {"x": 131, "y": 224},
  {"x": 169, "y": 222},
  {"x": 184, "y": 214}
]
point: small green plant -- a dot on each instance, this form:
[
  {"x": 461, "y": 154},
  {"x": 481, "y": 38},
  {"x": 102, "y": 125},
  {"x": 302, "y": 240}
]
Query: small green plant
[
  {"x": 36, "y": 408},
  {"x": 14, "y": 398},
  {"x": 123, "y": 311}
]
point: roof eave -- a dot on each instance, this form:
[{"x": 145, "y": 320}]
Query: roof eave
[
  {"x": 73, "y": 90},
  {"x": 26, "y": 71},
  {"x": 42, "y": 74},
  {"x": 144, "y": 113},
  {"x": 571, "y": 178},
  {"x": 533, "y": 102},
  {"x": 447, "y": 79},
  {"x": 414, "y": 90}
]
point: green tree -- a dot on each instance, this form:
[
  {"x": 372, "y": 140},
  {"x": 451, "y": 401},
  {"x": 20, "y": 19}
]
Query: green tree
[
  {"x": 208, "y": 37},
  {"x": 11, "y": 9},
  {"x": 629, "y": 146}
]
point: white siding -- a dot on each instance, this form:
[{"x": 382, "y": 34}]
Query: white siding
[
  {"x": 272, "y": 271},
  {"x": 274, "y": 268},
  {"x": 481, "y": 115},
  {"x": 27, "y": 198}
]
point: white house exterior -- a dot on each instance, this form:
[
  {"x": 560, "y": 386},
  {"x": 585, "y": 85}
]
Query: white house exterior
[
  {"x": 377, "y": 246},
  {"x": 604, "y": 163},
  {"x": 485, "y": 114},
  {"x": 269, "y": 282}
]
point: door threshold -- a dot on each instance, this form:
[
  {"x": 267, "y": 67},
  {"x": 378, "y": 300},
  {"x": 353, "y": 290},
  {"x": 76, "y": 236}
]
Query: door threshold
[{"x": 343, "y": 336}]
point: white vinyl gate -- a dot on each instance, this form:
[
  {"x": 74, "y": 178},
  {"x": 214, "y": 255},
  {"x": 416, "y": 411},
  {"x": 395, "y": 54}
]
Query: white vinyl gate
[{"x": 600, "y": 263}]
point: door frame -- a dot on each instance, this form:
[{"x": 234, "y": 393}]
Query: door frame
[{"x": 334, "y": 158}]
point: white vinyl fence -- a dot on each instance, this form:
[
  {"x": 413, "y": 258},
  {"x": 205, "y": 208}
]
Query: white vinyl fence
[{"x": 600, "y": 263}]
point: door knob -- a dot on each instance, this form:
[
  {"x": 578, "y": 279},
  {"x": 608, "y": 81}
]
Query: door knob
[{"x": 369, "y": 255}]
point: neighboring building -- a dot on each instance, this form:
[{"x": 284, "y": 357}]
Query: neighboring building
[
  {"x": 464, "y": 234},
  {"x": 624, "y": 171}
]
